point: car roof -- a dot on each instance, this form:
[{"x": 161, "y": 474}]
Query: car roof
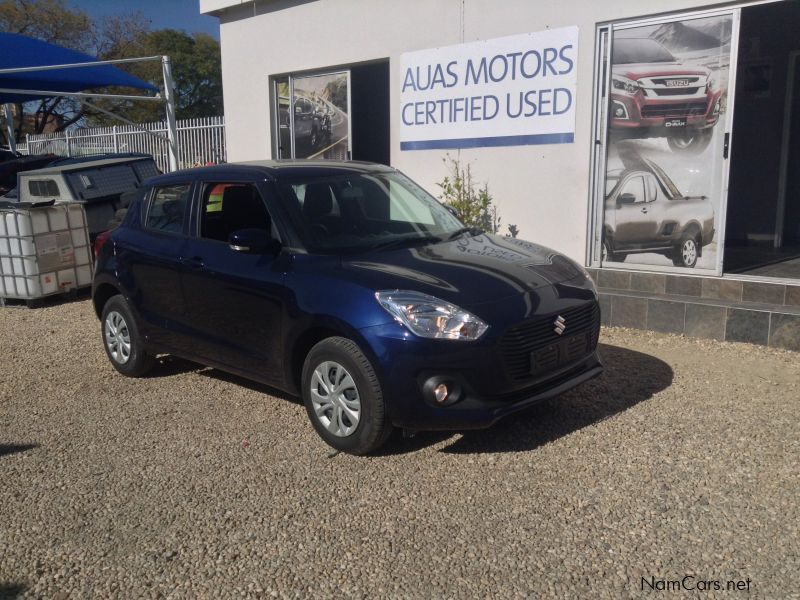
[{"x": 273, "y": 169}]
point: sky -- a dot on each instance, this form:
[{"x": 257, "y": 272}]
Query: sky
[{"x": 172, "y": 14}]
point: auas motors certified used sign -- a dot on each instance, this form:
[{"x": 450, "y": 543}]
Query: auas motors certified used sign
[{"x": 502, "y": 92}]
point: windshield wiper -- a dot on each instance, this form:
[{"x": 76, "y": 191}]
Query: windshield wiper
[
  {"x": 462, "y": 231},
  {"x": 401, "y": 242}
]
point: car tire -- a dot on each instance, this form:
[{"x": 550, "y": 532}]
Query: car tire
[
  {"x": 693, "y": 143},
  {"x": 686, "y": 253},
  {"x": 351, "y": 418},
  {"x": 122, "y": 340}
]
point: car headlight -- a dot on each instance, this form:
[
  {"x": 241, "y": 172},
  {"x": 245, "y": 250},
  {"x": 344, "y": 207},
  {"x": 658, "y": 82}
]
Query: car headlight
[
  {"x": 624, "y": 84},
  {"x": 430, "y": 317}
]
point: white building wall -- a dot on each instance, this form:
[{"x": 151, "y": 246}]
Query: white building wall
[{"x": 544, "y": 190}]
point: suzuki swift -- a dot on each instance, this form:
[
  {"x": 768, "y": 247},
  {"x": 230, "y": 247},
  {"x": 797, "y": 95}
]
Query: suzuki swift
[{"x": 349, "y": 285}]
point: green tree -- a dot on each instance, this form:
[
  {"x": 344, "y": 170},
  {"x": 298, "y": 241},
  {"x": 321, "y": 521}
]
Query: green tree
[
  {"x": 196, "y": 72},
  {"x": 472, "y": 203},
  {"x": 195, "y": 63}
]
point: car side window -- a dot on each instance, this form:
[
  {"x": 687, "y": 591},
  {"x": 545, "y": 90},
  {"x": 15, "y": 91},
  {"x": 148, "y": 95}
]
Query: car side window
[
  {"x": 167, "y": 211},
  {"x": 652, "y": 188},
  {"x": 227, "y": 207},
  {"x": 635, "y": 187}
]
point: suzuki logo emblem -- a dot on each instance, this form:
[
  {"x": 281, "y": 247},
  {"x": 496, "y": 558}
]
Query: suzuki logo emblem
[{"x": 560, "y": 325}]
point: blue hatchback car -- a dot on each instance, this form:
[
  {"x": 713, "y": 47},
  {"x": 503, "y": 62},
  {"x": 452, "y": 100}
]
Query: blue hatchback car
[{"x": 349, "y": 285}]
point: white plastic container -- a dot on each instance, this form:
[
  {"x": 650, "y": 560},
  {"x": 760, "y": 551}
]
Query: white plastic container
[{"x": 44, "y": 251}]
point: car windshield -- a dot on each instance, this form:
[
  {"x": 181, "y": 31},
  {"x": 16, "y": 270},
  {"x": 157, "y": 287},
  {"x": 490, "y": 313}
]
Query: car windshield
[
  {"x": 367, "y": 211},
  {"x": 644, "y": 50}
]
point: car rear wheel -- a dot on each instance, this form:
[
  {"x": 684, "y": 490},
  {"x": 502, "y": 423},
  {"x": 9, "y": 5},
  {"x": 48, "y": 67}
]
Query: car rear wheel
[
  {"x": 121, "y": 339},
  {"x": 343, "y": 397},
  {"x": 690, "y": 142},
  {"x": 687, "y": 251}
]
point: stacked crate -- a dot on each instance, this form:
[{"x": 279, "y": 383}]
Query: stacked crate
[{"x": 44, "y": 250}]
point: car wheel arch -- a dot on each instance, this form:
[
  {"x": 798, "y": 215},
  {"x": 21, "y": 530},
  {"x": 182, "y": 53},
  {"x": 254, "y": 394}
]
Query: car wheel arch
[
  {"x": 102, "y": 294},
  {"x": 301, "y": 344}
]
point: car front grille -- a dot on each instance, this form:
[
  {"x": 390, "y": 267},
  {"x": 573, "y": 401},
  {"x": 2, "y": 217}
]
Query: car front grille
[
  {"x": 532, "y": 348},
  {"x": 683, "y": 109}
]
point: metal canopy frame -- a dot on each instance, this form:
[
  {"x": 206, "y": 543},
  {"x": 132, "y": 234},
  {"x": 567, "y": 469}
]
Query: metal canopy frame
[{"x": 167, "y": 96}]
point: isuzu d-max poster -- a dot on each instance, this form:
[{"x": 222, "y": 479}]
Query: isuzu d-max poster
[{"x": 666, "y": 134}]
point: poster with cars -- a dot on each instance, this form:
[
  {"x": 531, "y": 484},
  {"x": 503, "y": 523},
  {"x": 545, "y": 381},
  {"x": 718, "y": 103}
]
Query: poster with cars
[
  {"x": 664, "y": 178},
  {"x": 319, "y": 124}
]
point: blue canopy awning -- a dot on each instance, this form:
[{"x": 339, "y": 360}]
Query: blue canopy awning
[{"x": 18, "y": 51}]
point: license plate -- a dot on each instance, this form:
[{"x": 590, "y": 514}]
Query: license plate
[{"x": 675, "y": 123}]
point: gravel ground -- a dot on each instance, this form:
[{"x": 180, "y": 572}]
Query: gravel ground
[{"x": 682, "y": 459}]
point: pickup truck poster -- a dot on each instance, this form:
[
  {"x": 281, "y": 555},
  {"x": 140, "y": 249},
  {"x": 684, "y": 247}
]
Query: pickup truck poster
[
  {"x": 506, "y": 91},
  {"x": 666, "y": 130},
  {"x": 321, "y": 122}
]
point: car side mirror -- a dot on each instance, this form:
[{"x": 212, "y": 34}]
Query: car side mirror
[
  {"x": 626, "y": 198},
  {"x": 253, "y": 241}
]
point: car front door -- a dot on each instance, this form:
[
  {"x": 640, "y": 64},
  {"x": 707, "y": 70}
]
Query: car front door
[
  {"x": 635, "y": 226},
  {"x": 235, "y": 298}
]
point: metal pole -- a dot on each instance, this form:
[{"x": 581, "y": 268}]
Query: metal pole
[
  {"x": 66, "y": 139},
  {"x": 12, "y": 141},
  {"x": 172, "y": 127},
  {"x": 116, "y": 142}
]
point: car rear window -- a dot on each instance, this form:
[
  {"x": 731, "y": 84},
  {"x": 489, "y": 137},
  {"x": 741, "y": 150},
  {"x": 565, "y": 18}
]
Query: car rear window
[{"x": 167, "y": 211}]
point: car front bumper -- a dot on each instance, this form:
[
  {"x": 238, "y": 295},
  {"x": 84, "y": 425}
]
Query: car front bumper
[{"x": 488, "y": 380}]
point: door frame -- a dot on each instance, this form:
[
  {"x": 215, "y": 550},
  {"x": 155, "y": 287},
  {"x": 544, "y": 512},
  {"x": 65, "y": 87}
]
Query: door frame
[
  {"x": 275, "y": 106},
  {"x": 783, "y": 173},
  {"x": 599, "y": 141}
]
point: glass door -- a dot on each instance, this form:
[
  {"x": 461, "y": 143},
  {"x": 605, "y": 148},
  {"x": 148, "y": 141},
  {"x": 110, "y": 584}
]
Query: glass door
[
  {"x": 662, "y": 144},
  {"x": 312, "y": 116}
]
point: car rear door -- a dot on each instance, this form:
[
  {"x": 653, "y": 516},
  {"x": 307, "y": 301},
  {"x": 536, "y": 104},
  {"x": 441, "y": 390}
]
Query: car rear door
[
  {"x": 152, "y": 255},
  {"x": 235, "y": 298}
]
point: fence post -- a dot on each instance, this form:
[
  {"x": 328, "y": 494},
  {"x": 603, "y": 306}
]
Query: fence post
[
  {"x": 116, "y": 143},
  {"x": 66, "y": 139}
]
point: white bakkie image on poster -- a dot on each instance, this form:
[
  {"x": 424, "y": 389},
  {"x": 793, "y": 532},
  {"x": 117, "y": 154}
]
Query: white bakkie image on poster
[
  {"x": 666, "y": 136},
  {"x": 514, "y": 90}
]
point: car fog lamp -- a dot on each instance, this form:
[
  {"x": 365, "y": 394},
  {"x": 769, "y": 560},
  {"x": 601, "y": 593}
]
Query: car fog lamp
[
  {"x": 619, "y": 112},
  {"x": 716, "y": 107},
  {"x": 440, "y": 392}
]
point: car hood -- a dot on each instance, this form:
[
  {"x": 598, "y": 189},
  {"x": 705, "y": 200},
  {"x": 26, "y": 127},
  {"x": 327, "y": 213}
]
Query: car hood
[
  {"x": 466, "y": 271},
  {"x": 637, "y": 70}
]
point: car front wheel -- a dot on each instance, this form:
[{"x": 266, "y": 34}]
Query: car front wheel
[
  {"x": 343, "y": 397},
  {"x": 121, "y": 339}
]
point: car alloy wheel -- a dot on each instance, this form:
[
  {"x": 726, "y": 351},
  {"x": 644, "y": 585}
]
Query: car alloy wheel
[
  {"x": 117, "y": 337},
  {"x": 689, "y": 252},
  {"x": 335, "y": 399}
]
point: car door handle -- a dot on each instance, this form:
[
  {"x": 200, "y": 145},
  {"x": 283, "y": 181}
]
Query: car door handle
[{"x": 193, "y": 263}]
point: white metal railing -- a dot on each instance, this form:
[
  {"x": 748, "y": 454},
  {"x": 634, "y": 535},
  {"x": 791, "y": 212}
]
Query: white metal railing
[{"x": 200, "y": 141}]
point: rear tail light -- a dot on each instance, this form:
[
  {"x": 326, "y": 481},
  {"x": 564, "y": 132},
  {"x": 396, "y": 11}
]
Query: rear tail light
[{"x": 100, "y": 241}]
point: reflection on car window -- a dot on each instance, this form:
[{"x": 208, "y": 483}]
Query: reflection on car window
[
  {"x": 358, "y": 212},
  {"x": 231, "y": 206},
  {"x": 638, "y": 50},
  {"x": 168, "y": 209}
]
